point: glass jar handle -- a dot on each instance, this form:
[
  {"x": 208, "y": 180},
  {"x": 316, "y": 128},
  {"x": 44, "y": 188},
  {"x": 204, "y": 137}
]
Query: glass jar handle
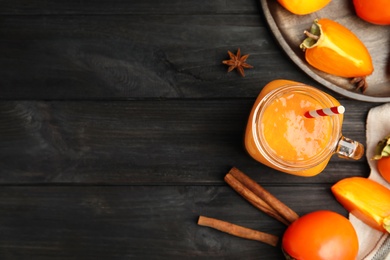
[{"x": 349, "y": 149}]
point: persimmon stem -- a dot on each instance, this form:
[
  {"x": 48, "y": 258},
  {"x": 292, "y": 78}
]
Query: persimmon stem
[{"x": 311, "y": 35}]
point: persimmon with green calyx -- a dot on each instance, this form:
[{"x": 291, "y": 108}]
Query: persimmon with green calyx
[
  {"x": 322, "y": 234},
  {"x": 334, "y": 49},
  {"x": 382, "y": 155},
  {"x": 373, "y": 11},
  {"x": 302, "y": 7}
]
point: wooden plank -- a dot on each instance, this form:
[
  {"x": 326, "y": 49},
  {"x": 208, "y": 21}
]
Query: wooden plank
[
  {"x": 138, "y": 142},
  {"x": 140, "y": 222},
  {"x": 127, "y": 7},
  {"x": 136, "y": 56}
]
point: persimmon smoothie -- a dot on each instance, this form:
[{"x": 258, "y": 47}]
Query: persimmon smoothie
[
  {"x": 280, "y": 136},
  {"x": 289, "y": 133}
]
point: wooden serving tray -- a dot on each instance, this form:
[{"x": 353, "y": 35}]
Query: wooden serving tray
[{"x": 288, "y": 30}]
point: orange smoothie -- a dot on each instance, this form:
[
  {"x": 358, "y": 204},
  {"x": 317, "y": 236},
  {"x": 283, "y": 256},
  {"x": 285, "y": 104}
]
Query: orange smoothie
[
  {"x": 280, "y": 136},
  {"x": 291, "y": 135}
]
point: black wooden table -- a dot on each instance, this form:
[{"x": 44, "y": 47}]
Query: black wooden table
[{"x": 118, "y": 122}]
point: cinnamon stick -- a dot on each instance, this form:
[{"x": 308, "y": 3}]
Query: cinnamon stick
[
  {"x": 279, "y": 207},
  {"x": 238, "y": 231},
  {"x": 252, "y": 198}
]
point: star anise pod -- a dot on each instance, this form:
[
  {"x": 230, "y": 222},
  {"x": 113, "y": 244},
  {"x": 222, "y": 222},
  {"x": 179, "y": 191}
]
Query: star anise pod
[
  {"x": 360, "y": 83},
  {"x": 237, "y": 62}
]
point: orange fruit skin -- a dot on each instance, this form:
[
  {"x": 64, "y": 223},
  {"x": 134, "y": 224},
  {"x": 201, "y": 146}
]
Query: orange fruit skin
[
  {"x": 383, "y": 166},
  {"x": 339, "y": 52},
  {"x": 324, "y": 235},
  {"x": 373, "y": 11},
  {"x": 302, "y": 7}
]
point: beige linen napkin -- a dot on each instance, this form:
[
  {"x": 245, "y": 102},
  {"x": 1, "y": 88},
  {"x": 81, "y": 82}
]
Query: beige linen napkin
[{"x": 373, "y": 244}]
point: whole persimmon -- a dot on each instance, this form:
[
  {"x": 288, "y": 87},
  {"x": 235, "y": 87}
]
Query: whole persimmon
[
  {"x": 383, "y": 166},
  {"x": 373, "y": 11},
  {"x": 302, "y": 7},
  {"x": 322, "y": 234}
]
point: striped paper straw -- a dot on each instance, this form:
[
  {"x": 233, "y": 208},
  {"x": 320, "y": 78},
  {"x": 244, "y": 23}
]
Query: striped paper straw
[{"x": 330, "y": 111}]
